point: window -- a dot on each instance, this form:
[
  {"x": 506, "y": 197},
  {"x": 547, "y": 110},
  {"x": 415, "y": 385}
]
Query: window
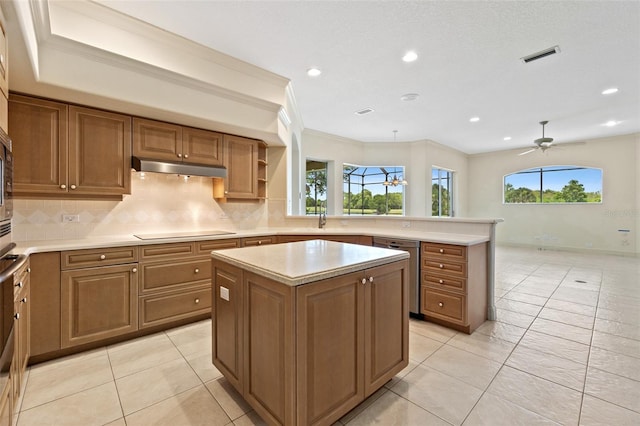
[
  {"x": 554, "y": 184},
  {"x": 441, "y": 192},
  {"x": 316, "y": 187},
  {"x": 373, "y": 190}
]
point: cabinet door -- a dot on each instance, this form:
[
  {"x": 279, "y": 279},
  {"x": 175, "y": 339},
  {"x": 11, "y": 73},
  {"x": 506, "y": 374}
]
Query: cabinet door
[
  {"x": 156, "y": 140},
  {"x": 99, "y": 152},
  {"x": 45, "y": 302},
  {"x": 202, "y": 147},
  {"x": 6, "y": 409},
  {"x": 98, "y": 303},
  {"x": 4, "y": 68},
  {"x": 40, "y": 145},
  {"x": 226, "y": 300},
  {"x": 330, "y": 348},
  {"x": 386, "y": 323},
  {"x": 241, "y": 160}
]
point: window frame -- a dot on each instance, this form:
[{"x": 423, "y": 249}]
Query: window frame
[
  {"x": 450, "y": 179},
  {"x": 387, "y": 171}
]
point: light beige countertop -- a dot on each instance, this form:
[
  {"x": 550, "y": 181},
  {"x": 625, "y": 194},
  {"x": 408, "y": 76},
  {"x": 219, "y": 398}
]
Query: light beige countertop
[
  {"x": 28, "y": 247},
  {"x": 307, "y": 261}
]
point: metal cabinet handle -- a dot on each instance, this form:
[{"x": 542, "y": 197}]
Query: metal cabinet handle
[
  {"x": 259, "y": 243},
  {"x": 196, "y": 270},
  {"x": 1, "y": 59},
  {"x": 370, "y": 279},
  {"x": 28, "y": 270},
  {"x": 441, "y": 266},
  {"x": 17, "y": 315},
  {"x": 73, "y": 187},
  {"x": 197, "y": 300},
  {"x": 441, "y": 250},
  {"x": 24, "y": 300},
  {"x": 103, "y": 257},
  {"x": 186, "y": 156},
  {"x": 440, "y": 304},
  {"x": 63, "y": 186},
  {"x": 134, "y": 270},
  {"x": 441, "y": 281},
  {"x": 20, "y": 285},
  {"x": 364, "y": 281}
]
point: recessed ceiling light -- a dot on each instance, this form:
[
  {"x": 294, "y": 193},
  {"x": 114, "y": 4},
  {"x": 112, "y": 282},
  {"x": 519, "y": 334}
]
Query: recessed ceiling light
[
  {"x": 610, "y": 91},
  {"x": 474, "y": 119},
  {"x": 410, "y": 56},
  {"x": 409, "y": 97},
  {"x": 611, "y": 123},
  {"x": 313, "y": 72},
  {"x": 507, "y": 138}
]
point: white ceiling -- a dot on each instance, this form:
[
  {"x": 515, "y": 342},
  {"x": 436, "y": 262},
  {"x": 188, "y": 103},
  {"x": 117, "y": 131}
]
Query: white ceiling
[{"x": 469, "y": 64}]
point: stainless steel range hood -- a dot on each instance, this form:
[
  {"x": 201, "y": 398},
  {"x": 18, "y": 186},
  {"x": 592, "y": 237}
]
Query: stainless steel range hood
[{"x": 185, "y": 169}]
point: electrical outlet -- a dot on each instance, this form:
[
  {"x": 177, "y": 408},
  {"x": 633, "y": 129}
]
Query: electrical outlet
[
  {"x": 70, "y": 218},
  {"x": 224, "y": 293}
]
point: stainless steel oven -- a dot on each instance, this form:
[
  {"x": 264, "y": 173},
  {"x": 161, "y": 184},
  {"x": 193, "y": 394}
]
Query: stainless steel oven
[{"x": 6, "y": 177}]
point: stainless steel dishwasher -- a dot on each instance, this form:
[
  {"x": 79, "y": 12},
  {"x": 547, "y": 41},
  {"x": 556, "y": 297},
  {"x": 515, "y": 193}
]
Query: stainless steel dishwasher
[{"x": 413, "y": 247}]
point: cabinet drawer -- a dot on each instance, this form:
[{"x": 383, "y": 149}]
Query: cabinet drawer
[
  {"x": 445, "y": 268},
  {"x": 162, "y": 251},
  {"x": 444, "y": 305},
  {"x": 98, "y": 257},
  {"x": 168, "y": 307},
  {"x": 172, "y": 275},
  {"x": 206, "y": 247},
  {"x": 444, "y": 251},
  {"x": 258, "y": 241},
  {"x": 444, "y": 282}
]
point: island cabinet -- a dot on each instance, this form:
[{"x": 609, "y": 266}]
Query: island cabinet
[
  {"x": 67, "y": 151},
  {"x": 454, "y": 284},
  {"x": 307, "y": 354},
  {"x": 99, "y": 289},
  {"x": 157, "y": 140},
  {"x": 175, "y": 280}
]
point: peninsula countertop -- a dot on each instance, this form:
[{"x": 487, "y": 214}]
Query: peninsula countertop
[{"x": 307, "y": 261}]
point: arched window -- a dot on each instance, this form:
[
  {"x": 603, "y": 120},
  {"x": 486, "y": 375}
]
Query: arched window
[{"x": 554, "y": 184}]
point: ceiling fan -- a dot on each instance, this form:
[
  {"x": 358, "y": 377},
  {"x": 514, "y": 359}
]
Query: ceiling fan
[{"x": 541, "y": 143}]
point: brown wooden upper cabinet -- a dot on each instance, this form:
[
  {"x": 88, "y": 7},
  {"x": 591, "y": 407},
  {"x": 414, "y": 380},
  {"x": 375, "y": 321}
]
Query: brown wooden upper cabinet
[
  {"x": 245, "y": 160},
  {"x": 4, "y": 69},
  {"x": 65, "y": 151},
  {"x": 157, "y": 140}
]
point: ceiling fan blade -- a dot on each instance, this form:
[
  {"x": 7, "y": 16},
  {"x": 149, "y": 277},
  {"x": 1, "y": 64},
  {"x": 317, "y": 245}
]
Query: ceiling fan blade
[{"x": 527, "y": 152}]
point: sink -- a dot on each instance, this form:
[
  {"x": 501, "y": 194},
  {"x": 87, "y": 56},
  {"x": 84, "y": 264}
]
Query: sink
[{"x": 182, "y": 234}]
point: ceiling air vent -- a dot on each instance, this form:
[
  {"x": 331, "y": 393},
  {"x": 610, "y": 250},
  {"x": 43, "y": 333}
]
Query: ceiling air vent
[
  {"x": 542, "y": 54},
  {"x": 364, "y": 111}
]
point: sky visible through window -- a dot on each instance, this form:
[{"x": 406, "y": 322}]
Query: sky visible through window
[{"x": 556, "y": 180}]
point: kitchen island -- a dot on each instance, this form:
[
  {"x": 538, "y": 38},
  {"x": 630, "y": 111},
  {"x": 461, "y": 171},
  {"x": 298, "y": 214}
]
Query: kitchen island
[{"x": 305, "y": 331}]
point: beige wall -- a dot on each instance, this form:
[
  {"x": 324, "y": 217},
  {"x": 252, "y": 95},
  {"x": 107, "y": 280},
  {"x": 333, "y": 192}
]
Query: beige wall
[{"x": 572, "y": 226}]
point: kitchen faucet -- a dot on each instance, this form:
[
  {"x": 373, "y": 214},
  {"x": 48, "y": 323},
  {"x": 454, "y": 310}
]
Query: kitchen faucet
[{"x": 322, "y": 218}]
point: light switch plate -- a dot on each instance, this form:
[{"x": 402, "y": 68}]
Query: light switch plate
[{"x": 224, "y": 293}]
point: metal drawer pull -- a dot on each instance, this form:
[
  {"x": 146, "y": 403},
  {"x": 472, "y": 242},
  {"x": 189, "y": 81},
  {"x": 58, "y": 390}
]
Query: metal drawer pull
[
  {"x": 179, "y": 155},
  {"x": 28, "y": 269},
  {"x": 364, "y": 281},
  {"x": 134, "y": 270},
  {"x": 63, "y": 186},
  {"x": 20, "y": 285},
  {"x": 24, "y": 300},
  {"x": 103, "y": 257},
  {"x": 73, "y": 187},
  {"x": 197, "y": 301},
  {"x": 441, "y": 304},
  {"x": 186, "y": 156},
  {"x": 441, "y": 250},
  {"x": 370, "y": 279},
  {"x": 17, "y": 315},
  {"x": 441, "y": 266},
  {"x": 196, "y": 270},
  {"x": 441, "y": 281}
]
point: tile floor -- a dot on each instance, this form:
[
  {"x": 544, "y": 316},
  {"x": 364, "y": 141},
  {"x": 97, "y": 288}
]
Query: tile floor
[{"x": 565, "y": 350}]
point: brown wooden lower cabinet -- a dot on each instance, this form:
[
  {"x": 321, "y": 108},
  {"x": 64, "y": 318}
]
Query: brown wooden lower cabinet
[
  {"x": 168, "y": 307},
  {"x": 6, "y": 406},
  {"x": 307, "y": 355},
  {"x": 98, "y": 303}
]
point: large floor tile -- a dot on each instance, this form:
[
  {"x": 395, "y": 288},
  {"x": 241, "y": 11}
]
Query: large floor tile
[
  {"x": 421, "y": 347},
  {"x": 95, "y": 406},
  {"x": 556, "y": 346},
  {"x": 618, "y": 344},
  {"x": 596, "y": 412},
  {"x": 66, "y": 376},
  {"x": 431, "y": 330},
  {"x": 584, "y": 297},
  {"x": 630, "y": 331},
  {"x": 613, "y": 362},
  {"x": 249, "y": 419},
  {"x": 193, "y": 338},
  {"x": 147, "y": 387},
  {"x": 613, "y": 388},
  {"x": 575, "y": 308},
  {"x": 570, "y": 318},
  {"x": 502, "y": 330},
  {"x": 393, "y": 410},
  {"x": 486, "y": 346},
  {"x": 140, "y": 354},
  {"x": 494, "y": 411},
  {"x": 472, "y": 369},
  {"x": 203, "y": 366},
  {"x": 363, "y": 406},
  {"x": 520, "y": 307},
  {"x": 514, "y": 318},
  {"x": 626, "y": 315},
  {"x": 525, "y": 298},
  {"x": 555, "y": 369},
  {"x": 565, "y": 331},
  {"x": 435, "y": 392},
  {"x": 229, "y": 399},
  {"x": 194, "y": 407},
  {"x": 541, "y": 396}
]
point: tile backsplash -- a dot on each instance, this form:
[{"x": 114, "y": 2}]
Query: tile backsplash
[{"x": 158, "y": 203}]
